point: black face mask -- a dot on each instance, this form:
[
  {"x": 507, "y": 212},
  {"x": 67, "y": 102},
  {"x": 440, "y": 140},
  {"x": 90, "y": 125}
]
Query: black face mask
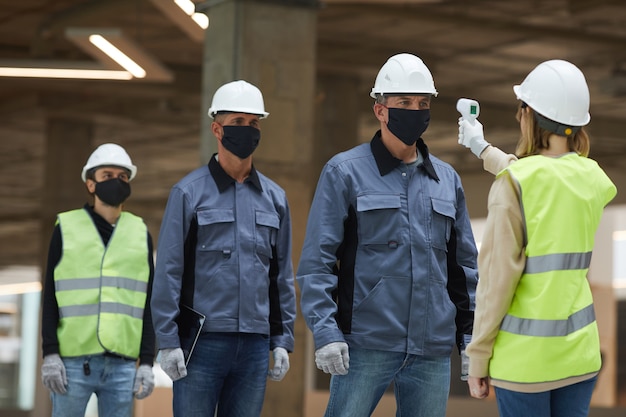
[
  {"x": 113, "y": 192},
  {"x": 241, "y": 140},
  {"x": 408, "y": 125}
]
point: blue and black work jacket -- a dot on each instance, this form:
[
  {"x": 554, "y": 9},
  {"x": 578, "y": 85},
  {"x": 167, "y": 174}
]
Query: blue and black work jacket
[
  {"x": 225, "y": 250},
  {"x": 389, "y": 258}
]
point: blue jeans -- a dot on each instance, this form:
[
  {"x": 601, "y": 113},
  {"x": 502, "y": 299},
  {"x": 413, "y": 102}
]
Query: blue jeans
[
  {"x": 111, "y": 379},
  {"x": 570, "y": 401},
  {"x": 421, "y": 384},
  {"x": 227, "y": 371}
]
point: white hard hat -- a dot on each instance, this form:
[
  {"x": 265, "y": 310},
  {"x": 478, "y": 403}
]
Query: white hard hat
[
  {"x": 238, "y": 97},
  {"x": 557, "y": 90},
  {"x": 404, "y": 73},
  {"x": 109, "y": 154}
]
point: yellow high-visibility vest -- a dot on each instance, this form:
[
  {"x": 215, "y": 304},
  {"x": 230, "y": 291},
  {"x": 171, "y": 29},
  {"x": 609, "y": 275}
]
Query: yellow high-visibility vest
[
  {"x": 550, "y": 331},
  {"x": 101, "y": 291}
]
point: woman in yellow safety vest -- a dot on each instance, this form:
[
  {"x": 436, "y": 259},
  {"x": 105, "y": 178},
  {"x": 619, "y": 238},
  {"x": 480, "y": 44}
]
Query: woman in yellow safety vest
[{"x": 535, "y": 336}]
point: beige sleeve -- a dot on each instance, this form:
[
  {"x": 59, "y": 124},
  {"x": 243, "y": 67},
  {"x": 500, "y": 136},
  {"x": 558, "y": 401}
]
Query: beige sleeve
[
  {"x": 494, "y": 160},
  {"x": 501, "y": 261}
]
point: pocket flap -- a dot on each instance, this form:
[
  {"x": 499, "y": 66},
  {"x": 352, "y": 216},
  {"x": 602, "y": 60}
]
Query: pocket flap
[
  {"x": 368, "y": 202},
  {"x": 212, "y": 216},
  {"x": 265, "y": 218},
  {"x": 444, "y": 207}
]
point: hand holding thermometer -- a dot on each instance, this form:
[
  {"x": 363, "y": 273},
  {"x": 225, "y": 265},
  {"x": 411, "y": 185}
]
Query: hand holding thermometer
[
  {"x": 469, "y": 109},
  {"x": 470, "y": 130}
]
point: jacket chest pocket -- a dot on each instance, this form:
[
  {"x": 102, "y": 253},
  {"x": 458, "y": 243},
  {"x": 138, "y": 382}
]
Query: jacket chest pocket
[
  {"x": 265, "y": 231},
  {"x": 216, "y": 229},
  {"x": 379, "y": 218},
  {"x": 443, "y": 215}
]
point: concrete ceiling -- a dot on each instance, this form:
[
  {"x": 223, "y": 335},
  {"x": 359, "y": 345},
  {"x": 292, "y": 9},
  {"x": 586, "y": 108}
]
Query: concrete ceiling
[{"x": 475, "y": 49}]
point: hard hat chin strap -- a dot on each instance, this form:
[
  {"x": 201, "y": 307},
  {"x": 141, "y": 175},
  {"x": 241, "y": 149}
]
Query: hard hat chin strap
[{"x": 555, "y": 127}]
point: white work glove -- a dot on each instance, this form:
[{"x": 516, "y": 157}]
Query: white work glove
[
  {"x": 464, "y": 366},
  {"x": 472, "y": 137},
  {"x": 53, "y": 374},
  {"x": 173, "y": 363},
  {"x": 281, "y": 364},
  {"x": 333, "y": 358},
  {"x": 144, "y": 382}
]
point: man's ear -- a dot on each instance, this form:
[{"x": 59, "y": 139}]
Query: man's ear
[
  {"x": 217, "y": 130},
  {"x": 379, "y": 112},
  {"x": 91, "y": 186}
]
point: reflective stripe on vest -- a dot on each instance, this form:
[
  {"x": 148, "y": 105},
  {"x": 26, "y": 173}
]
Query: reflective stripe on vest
[
  {"x": 89, "y": 309},
  {"x": 101, "y": 291},
  {"x": 551, "y": 317},
  {"x": 94, "y": 283},
  {"x": 549, "y": 328},
  {"x": 557, "y": 261}
]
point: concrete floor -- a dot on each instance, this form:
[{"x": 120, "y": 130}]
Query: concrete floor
[{"x": 315, "y": 404}]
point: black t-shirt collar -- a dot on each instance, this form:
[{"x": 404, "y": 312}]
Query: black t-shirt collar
[
  {"x": 386, "y": 162},
  {"x": 223, "y": 180}
]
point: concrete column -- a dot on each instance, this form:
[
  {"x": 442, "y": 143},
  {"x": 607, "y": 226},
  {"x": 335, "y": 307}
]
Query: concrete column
[
  {"x": 271, "y": 44},
  {"x": 337, "y": 116},
  {"x": 68, "y": 145},
  {"x": 338, "y": 104}
]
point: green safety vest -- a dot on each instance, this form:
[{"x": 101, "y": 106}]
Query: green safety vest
[
  {"x": 101, "y": 291},
  {"x": 550, "y": 331}
]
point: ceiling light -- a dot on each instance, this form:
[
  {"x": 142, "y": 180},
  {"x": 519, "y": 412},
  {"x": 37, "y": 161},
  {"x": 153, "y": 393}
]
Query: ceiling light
[
  {"x": 118, "y": 56},
  {"x": 75, "y": 73},
  {"x": 108, "y": 46},
  {"x": 189, "y": 8},
  {"x": 201, "y": 20},
  {"x": 187, "y": 5},
  {"x": 182, "y": 13},
  {"x": 112, "y": 48}
]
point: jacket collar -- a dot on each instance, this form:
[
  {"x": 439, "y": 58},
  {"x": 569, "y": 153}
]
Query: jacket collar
[
  {"x": 386, "y": 162},
  {"x": 223, "y": 180}
]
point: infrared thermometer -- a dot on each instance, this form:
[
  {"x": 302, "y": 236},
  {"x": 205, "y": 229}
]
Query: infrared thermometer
[{"x": 469, "y": 109}]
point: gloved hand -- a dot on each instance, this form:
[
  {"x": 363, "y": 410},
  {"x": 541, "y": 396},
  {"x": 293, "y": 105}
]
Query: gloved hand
[
  {"x": 281, "y": 364},
  {"x": 173, "y": 363},
  {"x": 471, "y": 136},
  {"x": 333, "y": 358},
  {"x": 144, "y": 382},
  {"x": 464, "y": 366},
  {"x": 53, "y": 374}
]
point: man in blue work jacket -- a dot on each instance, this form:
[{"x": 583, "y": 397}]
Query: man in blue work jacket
[
  {"x": 225, "y": 250},
  {"x": 388, "y": 267}
]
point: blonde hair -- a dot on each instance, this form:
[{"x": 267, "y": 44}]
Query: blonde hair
[{"x": 534, "y": 138}]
